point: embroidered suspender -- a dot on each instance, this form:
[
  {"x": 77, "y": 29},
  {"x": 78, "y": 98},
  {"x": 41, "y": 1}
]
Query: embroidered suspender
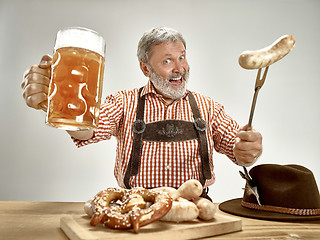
[{"x": 168, "y": 131}]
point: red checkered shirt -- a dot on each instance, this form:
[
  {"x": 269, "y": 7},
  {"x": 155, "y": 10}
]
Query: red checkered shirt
[{"x": 163, "y": 163}]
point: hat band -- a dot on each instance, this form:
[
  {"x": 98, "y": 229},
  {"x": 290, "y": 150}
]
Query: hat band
[{"x": 293, "y": 211}]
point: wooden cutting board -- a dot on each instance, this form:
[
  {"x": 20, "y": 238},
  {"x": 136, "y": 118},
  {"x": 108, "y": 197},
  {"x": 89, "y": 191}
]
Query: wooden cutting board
[{"x": 77, "y": 227}]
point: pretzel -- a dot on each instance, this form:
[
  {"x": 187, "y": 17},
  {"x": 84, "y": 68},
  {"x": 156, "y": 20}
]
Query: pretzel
[{"x": 119, "y": 208}]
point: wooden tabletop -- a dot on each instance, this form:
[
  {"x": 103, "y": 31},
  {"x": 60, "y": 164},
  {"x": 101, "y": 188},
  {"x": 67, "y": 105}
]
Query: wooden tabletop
[{"x": 41, "y": 220}]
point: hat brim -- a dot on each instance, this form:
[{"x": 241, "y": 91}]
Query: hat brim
[{"x": 234, "y": 207}]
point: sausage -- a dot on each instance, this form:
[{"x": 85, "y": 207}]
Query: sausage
[
  {"x": 182, "y": 210},
  {"x": 187, "y": 204},
  {"x": 174, "y": 194},
  {"x": 207, "y": 209},
  {"x": 89, "y": 208},
  {"x": 268, "y": 55},
  {"x": 191, "y": 189}
]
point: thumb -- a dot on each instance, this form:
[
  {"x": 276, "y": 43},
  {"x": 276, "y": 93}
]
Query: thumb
[
  {"x": 45, "y": 62},
  {"x": 244, "y": 128}
]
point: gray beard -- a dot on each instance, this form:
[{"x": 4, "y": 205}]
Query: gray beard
[{"x": 163, "y": 85}]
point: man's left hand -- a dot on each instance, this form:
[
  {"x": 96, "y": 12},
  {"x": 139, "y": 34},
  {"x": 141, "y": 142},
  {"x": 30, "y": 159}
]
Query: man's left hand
[{"x": 248, "y": 146}]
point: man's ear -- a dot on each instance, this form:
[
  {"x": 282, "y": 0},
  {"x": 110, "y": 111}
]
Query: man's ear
[{"x": 145, "y": 69}]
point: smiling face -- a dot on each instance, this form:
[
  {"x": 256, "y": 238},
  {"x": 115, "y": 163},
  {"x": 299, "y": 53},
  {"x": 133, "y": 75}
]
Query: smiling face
[{"x": 168, "y": 69}]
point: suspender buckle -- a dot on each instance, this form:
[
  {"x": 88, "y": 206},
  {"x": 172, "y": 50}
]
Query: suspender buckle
[
  {"x": 200, "y": 124},
  {"x": 139, "y": 126}
]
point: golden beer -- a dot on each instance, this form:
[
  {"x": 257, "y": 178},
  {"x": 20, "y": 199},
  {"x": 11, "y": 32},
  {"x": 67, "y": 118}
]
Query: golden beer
[{"x": 75, "y": 88}]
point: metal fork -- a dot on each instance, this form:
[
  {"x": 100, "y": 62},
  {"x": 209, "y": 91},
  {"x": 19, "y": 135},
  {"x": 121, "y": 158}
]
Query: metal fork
[
  {"x": 259, "y": 83},
  {"x": 258, "y": 86}
]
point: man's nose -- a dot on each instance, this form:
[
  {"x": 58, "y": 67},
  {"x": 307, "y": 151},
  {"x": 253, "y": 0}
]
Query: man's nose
[{"x": 178, "y": 67}]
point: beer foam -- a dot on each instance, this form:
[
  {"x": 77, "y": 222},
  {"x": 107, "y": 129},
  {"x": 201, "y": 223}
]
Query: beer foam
[{"x": 81, "y": 38}]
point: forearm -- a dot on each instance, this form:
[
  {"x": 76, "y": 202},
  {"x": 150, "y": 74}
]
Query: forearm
[{"x": 81, "y": 135}]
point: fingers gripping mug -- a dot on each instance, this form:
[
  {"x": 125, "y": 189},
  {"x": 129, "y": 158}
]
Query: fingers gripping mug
[{"x": 76, "y": 79}]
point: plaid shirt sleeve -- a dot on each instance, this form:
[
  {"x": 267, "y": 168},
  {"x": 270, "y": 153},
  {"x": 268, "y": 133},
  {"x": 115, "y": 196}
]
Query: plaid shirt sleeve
[
  {"x": 111, "y": 112},
  {"x": 225, "y": 130}
]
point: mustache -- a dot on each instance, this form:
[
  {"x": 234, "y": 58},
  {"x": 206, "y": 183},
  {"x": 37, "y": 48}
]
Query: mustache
[{"x": 175, "y": 75}]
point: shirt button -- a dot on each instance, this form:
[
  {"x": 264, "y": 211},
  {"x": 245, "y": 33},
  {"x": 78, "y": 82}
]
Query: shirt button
[{"x": 168, "y": 167}]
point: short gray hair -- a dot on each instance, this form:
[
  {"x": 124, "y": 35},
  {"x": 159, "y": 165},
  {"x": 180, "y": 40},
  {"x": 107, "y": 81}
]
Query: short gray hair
[{"x": 156, "y": 36}]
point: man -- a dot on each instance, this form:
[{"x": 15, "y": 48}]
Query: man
[{"x": 165, "y": 133}]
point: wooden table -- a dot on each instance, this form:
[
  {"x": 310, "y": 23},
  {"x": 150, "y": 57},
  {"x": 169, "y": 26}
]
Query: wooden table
[{"x": 41, "y": 220}]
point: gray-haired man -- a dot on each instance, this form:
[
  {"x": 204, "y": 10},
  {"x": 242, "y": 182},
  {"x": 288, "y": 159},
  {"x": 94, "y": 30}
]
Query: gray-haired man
[{"x": 165, "y": 133}]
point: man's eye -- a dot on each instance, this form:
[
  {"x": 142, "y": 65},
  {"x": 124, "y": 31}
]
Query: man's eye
[
  {"x": 167, "y": 61},
  {"x": 182, "y": 57}
]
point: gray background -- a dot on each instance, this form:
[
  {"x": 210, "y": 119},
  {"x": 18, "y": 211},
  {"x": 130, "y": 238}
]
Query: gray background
[{"x": 40, "y": 163}]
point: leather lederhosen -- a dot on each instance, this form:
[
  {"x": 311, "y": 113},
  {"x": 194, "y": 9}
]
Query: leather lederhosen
[{"x": 168, "y": 131}]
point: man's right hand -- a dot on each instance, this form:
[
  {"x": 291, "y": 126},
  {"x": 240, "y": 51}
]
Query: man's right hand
[{"x": 35, "y": 84}]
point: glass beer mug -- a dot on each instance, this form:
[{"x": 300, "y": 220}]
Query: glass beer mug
[{"x": 76, "y": 79}]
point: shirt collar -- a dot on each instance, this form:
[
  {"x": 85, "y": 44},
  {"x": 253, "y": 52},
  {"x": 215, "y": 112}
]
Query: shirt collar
[{"x": 150, "y": 89}]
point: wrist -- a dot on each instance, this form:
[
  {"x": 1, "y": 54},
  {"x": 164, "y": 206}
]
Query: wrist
[
  {"x": 82, "y": 134},
  {"x": 248, "y": 164}
]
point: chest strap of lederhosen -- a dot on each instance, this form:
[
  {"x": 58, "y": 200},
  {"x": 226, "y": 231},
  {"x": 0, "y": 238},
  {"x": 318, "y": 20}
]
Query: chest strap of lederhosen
[{"x": 168, "y": 131}]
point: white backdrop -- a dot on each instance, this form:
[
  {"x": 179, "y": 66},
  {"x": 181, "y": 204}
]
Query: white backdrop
[{"x": 40, "y": 163}]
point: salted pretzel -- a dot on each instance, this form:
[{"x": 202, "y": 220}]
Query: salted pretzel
[{"x": 120, "y": 208}]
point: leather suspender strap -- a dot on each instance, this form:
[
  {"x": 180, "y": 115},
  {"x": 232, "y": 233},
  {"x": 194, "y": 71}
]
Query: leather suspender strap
[
  {"x": 200, "y": 126},
  {"x": 138, "y": 128}
]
